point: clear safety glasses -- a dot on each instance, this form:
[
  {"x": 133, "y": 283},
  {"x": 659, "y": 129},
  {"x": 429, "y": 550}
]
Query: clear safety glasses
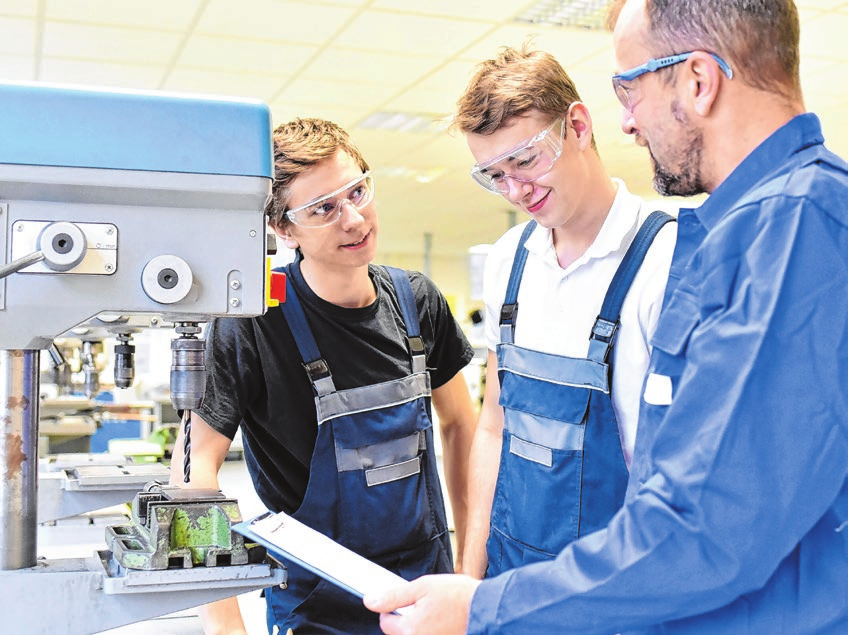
[
  {"x": 526, "y": 162},
  {"x": 328, "y": 209},
  {"x": 621, "y": 82}
]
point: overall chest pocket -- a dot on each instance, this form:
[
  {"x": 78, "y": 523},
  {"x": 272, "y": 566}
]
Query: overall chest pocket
[
  {"x": 546, "y": 400},
  {"x": 388, "y": 496}
]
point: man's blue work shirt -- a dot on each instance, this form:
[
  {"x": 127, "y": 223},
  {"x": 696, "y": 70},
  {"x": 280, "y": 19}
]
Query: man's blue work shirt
[{"x": 736, "y": 519}]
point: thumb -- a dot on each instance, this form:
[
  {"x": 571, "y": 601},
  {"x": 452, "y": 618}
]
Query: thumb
[{"x": 392, "y": 598}]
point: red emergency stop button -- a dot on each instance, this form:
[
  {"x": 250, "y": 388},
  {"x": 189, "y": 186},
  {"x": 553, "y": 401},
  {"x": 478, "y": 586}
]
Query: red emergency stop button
[{"x": 276, "y": 288}]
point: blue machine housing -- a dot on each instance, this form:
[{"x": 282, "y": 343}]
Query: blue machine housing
[{"x": 134, "y": 130}]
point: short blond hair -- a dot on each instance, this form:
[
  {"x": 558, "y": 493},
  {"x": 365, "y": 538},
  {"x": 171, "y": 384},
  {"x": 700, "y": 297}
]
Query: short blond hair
[{"x": 511, "y": 84}]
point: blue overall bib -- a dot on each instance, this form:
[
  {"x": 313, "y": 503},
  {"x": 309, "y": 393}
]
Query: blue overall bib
[
  {"x": 373, "y": 482},
  {"x": 562, "y": 472}
]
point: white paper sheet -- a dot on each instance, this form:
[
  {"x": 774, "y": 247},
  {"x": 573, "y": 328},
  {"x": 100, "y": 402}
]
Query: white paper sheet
[{"x": 281, "y": 534}]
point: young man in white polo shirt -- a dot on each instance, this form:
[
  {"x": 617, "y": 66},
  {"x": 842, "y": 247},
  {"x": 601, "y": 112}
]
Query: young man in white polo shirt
[{"x": 567, "y": 324}]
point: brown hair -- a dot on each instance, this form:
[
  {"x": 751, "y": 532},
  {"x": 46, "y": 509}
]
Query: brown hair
[
  {"x": 758, "y": 38},
  {"x": 513, "y": 83},
  {"x": 298, "y": 146}
]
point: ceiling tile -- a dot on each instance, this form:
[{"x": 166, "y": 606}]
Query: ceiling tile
[
  {"x": 337, "y": 63},
  {"x": 218, "y": 83},
  {"x": 229, "y": 54},
  {"x": 483, "y": 10},
  {"x": 16, "y": 68},
  {"x": 341, "y": 94},
  {"x": 343, "y": 115},
  {"x": 151, "y": 14},
  {"x": 390, "y": 32},
  {"x": 273, "y": 20},
  {"x": 437, "y": 93},
  {"x": 27, "y": 8},
  {"x": 334, "y": 3},
  {"x": 17, "y": 35},
  {"x": 567, "y": 45},
  {"x": 115, "y": 44},
  {"x": 100, "y": 73}
]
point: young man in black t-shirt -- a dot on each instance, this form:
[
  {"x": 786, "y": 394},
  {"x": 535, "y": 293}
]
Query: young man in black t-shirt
[{"x": 363, "y": 475}]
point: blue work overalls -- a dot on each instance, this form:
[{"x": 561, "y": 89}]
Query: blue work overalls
[
  {"x": 562, "y": 472},
  {"x": 373, "y": 482}
]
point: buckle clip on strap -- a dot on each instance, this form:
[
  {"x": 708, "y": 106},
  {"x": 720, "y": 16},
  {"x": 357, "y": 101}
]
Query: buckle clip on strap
[
  {"x": 604, "y": 330},
  {"x": 508, "y": 312},
  {"x": 601, "y": 340},
  {"x": 416, "y": 345},
  {"x": 317, "y": 369}
]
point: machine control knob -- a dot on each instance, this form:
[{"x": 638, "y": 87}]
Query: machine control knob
[
  {"x": 166, "y": 279},
  {"x": 63, "y": 245}
]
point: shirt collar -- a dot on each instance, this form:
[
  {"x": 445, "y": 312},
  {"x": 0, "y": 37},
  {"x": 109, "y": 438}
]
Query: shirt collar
[
  {"x": 800, "y": 132},
  {"x": 618, "y": 223}
]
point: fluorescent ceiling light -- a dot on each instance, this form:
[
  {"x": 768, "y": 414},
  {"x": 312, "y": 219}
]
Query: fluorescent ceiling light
[{"x": 586, "y": 14}]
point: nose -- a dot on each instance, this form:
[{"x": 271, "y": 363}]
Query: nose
[
  {"x": 515, "y": 190},
  {"x": 628, "y": 122},
  {"x": 350, "y": 216}
]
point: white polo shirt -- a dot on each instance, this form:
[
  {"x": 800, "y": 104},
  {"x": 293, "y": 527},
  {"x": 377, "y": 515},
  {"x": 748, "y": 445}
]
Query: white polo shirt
[{"x": 557, "y": 307}]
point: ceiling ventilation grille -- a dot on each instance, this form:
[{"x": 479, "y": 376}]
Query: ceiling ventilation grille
[{"x": 584, "y": 14}]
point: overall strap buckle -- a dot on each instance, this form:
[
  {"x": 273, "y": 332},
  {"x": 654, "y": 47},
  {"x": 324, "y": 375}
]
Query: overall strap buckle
[
  {"x": 604, "y": 330},
  {"x": 317, "y": 369},
  {"x": 508, "y": 312},
  {"x": 602, "y": 339}
]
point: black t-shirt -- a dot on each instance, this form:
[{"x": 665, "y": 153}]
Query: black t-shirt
[{"x": 255, "y": 378}]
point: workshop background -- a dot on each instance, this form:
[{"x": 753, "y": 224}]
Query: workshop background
[{"x": 390, "y": 72}]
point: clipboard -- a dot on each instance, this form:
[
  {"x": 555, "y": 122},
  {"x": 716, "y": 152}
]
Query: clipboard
[{"x": 289, "y": 539}]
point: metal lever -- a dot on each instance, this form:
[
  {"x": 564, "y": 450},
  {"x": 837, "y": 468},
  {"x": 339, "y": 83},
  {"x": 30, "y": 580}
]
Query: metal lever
[{"x": 21, "y": 263}]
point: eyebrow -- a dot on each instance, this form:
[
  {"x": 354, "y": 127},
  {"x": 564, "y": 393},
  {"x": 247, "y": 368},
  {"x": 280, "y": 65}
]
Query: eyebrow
[{"x": 507, "y": 158}]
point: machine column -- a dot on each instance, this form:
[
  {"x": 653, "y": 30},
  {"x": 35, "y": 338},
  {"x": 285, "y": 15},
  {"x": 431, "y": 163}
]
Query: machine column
[{"x": 18, "y": 458}]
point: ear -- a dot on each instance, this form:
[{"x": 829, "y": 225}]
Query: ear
[
  {"x": 703, "y": 82},
  {"x": 285, "y": 235},
  {"x": 578, "y": 119}
]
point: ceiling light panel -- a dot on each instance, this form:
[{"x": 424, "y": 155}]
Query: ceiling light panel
[{"x": 585, "y": 14}]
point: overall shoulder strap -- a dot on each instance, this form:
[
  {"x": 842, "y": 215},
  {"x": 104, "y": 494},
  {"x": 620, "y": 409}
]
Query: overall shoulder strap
[
  {"x": 314, "y": 365},
  {"x": 603, "y": 332},
  {"x": 509, "y": 308},
  {"x": 406, "y": 298}
]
